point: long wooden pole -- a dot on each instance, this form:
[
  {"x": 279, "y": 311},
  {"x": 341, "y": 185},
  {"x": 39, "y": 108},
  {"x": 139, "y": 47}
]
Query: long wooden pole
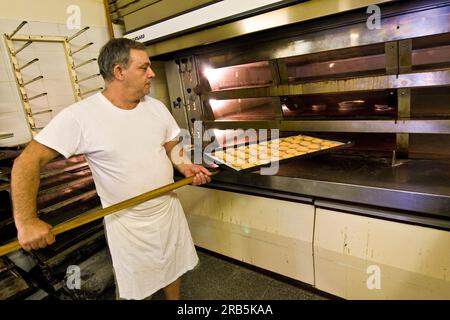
[{"x": 89, "y": 217}]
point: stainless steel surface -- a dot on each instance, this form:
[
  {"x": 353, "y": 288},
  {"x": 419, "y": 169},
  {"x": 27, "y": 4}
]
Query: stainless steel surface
[
  {"x": 310, "y": 68},
  {"x": 404, "y": 112},
  {"x": 155, "y": 12},
  {"x": 125, "y": 7},
  {"x": 412, "y": 80},
  {"x": 186, "y": 107},
  {"x": 403, "y": 25},
  {"x": 220, "y": 185},
  {"x": 368, "y": 126},
  {"x": 384, "y": 214},
  {"x": 404, "y": 103},
  {"x": 391, "y": 50},
  {"x": 241, "y": 109},
  {"x": 417, "y": 185},
  {"x": 405, "y": 56},
  {"x": 248, "y": 124},
  {"x": 277, "y": 18},
  {"x": 176, "y": 95},
  {"x": 386, "y": 126},
  {"x": 373, "y": 126},
  {"x": 402, "y": 144}
]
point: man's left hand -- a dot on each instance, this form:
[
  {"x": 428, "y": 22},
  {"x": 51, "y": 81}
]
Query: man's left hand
[{"x": 200, "y": 173}]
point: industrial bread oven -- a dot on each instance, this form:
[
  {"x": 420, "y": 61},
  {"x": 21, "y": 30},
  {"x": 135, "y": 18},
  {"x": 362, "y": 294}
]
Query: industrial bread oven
[
  {"x": 369, "y": 221},
  {"x": 326, "y": 220}
]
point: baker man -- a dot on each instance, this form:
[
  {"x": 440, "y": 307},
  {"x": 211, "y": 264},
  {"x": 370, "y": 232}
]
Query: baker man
[{"x": 127, "y": 138}]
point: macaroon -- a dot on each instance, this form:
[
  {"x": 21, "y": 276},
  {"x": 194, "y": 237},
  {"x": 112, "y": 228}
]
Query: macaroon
[
  {"x": 314, "y": 147},
  {"x": 302, "y": 149},
  {"x": 289, "y": 139},
  {"x": 291, "y": 151},
  {"x": 305, "y": 143}
]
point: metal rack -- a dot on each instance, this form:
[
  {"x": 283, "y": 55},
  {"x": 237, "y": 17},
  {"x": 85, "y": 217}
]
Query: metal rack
[{"x": 13, "y": 37}]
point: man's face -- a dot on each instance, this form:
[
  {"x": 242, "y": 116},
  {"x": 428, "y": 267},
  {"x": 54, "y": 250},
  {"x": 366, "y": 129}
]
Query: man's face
[{"x": 138, "y": 74}]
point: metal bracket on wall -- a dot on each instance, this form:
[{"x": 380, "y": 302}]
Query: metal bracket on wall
[
  {"x": 391, "y": 51},
  {"x": 404, "y": 95},
  {"x": 405, "y": 56},
  {"x": 404, "y": 105}
]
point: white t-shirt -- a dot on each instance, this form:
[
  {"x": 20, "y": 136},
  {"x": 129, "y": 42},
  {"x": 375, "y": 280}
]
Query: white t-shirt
[
  {"x": 124, "y": 148},
  {"x": 150, "y": 244}
]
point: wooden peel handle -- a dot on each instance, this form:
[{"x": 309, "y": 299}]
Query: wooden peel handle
[{"x": 89, "y": 217}]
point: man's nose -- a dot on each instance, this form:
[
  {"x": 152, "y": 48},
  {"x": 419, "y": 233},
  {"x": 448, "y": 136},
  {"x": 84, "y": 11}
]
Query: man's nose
[{"x": 150, "y": 73}]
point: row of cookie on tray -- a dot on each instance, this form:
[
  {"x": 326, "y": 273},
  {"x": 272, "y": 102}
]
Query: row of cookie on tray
[{"x": 247, "y": 156}]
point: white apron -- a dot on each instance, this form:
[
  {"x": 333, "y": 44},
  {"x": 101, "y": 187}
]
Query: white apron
[{"x": 150, "y": 247}]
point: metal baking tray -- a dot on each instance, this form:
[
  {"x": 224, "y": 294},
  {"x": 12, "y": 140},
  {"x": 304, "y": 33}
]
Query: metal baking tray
[{"x": 227, "y": 166}]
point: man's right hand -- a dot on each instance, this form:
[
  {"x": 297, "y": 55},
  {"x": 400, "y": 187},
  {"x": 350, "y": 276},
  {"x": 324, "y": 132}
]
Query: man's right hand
[{"x": 34, "y": 234}]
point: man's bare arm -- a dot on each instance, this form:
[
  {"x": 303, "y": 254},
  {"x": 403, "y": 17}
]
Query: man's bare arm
[
  {"x": 183, "y": 164},
  {"x": 33, "y": 233}
]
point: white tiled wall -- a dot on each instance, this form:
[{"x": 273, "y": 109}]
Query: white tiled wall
[{"x": 52, "y": 65}]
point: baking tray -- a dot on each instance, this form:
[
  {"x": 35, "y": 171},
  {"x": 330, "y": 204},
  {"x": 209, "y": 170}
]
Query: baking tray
[{"x": 227, "y": 166}]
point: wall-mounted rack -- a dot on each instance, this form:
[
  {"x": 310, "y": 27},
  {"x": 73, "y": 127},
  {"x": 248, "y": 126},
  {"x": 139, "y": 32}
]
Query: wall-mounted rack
[{"x": 12, "y": 38}]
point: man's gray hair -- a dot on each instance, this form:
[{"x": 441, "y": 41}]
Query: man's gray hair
[{"x": 116, "y": 52}]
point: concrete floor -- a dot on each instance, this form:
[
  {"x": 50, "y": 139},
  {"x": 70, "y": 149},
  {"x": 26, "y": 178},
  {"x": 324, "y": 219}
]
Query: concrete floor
[{"x": 221, "y": 278}]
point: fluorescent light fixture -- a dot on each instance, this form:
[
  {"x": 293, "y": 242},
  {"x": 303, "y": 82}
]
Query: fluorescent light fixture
[{"x": 212, "y": 13}]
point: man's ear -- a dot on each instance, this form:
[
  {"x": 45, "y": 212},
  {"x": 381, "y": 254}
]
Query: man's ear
[{"x": 118, "y": 71}]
